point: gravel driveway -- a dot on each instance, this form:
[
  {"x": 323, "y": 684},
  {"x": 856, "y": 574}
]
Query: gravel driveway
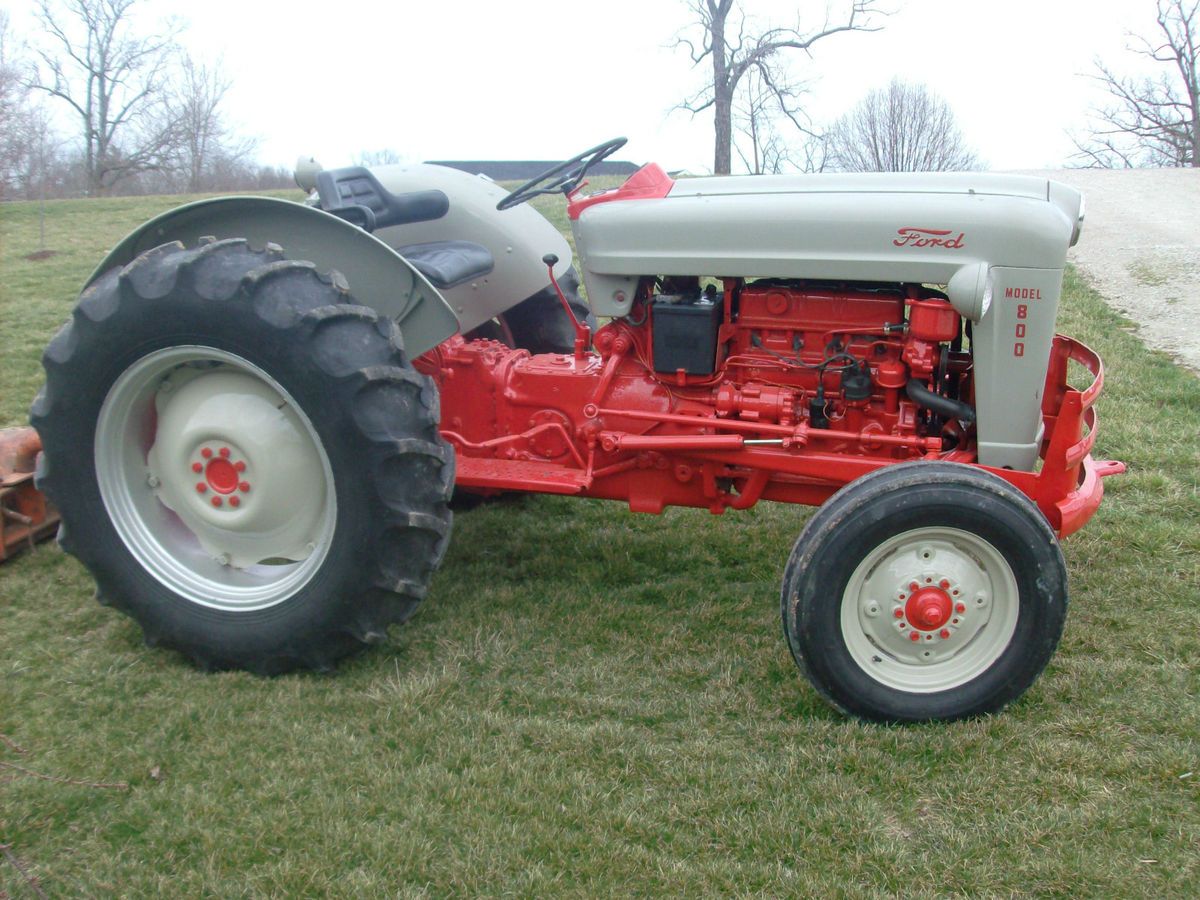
[{"x": 1140, "y": 248}]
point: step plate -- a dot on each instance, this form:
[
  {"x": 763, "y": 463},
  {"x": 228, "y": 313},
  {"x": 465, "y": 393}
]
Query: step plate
[{"x": 519, "y": 475}]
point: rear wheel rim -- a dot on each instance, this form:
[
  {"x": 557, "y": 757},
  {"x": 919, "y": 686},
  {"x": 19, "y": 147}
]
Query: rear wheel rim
[
  {"x": 208, "y": 514},
  {"x": 929, "y": 610}
]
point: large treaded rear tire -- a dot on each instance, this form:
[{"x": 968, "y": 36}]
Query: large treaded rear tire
[{"x": 357, "y": 411}]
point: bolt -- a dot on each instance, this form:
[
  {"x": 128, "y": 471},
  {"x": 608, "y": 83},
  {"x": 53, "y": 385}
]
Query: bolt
[
  {"x": 197, "y": 467},
  {"x": 240, "y": 466},
  {"x": 206, "y": 452},
  {"x": 960, "y": 608},
  {"x": 873, "y": 609},
  {"x": 225, "y": 452},
  {"x": 152, "y": 481},
  {"x": 898, "y": 613},
  {"x": 216, "y": 501},
  {"x": 234, "y": 501},
  {"x": 201, "y": 487},
  {"x": 244, "y": 487},
  {"x": 944, "y": 633},
  {"x": 943, "y": 584},
  {"x": 913, "y": 586},
  {"x": 913, "y": 636}
]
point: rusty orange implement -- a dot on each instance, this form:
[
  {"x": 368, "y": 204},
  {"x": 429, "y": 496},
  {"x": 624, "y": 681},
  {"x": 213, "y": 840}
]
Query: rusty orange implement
[{"x": 25, "y": 514}]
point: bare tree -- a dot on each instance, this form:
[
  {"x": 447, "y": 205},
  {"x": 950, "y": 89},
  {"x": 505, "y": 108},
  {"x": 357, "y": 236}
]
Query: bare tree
[
  {"x": 900, "y": 128},
  {"x": 17, "y": 114},
  {"x": 206, "y": 147},
  {"x": 734, "y": 46},
  {"x": 113, "y": 79},
  {"x": 756, "y": 135},
  {"x": 385, "y": 157},
  {"x": 1153, "y": 121}
]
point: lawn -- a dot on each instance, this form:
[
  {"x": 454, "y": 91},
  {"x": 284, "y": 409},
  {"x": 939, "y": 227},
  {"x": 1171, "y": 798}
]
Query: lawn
[{"x": 593, "y": 702}]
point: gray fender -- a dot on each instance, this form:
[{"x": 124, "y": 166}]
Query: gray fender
[{"x": 379, "y": 277}]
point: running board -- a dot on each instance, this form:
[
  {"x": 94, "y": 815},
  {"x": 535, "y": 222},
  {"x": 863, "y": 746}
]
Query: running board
[{"x": 519, "y": 475}]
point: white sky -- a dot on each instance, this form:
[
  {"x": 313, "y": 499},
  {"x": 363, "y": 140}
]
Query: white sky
[{"x": 544, "y": 79}]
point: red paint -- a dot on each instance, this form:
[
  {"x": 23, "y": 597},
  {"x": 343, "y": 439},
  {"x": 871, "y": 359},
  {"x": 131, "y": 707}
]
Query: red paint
[
  {"x": 201, "y": 488},
  {"x": 221, "y": 475},
  {"x": 224, "y": 451},
  {"x": 1023, "y": 293},
  {"x": 649, "y": 182},
  {"x": 234, "y": 501},
  {"x": 928, "y": 609},
  {"x": 244, "y": 487},
  {"x": 602, "y": 423},
  {"x": 197, "y": 467},
  {"x": 240, "y": 466},
  {"x": 217, "y": 501},
  {"x": 944, "y": 634},
  {"x": 928, "y": 237},
  {"x": 206, "y": 452}
]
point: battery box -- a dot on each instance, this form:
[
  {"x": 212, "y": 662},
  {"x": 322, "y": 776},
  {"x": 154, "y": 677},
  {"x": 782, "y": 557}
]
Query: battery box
[{"x": 685, "y": 333}]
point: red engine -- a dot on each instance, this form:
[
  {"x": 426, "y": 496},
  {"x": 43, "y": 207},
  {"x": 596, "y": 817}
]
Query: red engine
[
  {"x": 840, "y": 356},
  {"x": 715, "y": 396}
]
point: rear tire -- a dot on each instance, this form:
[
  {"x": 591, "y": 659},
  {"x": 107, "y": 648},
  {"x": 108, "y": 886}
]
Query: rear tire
[
  {"x": 924, "y": 591},
  {"x": 243, "y": 458}
]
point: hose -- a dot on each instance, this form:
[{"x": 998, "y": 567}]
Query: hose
[{"x": 943, "y": 406}]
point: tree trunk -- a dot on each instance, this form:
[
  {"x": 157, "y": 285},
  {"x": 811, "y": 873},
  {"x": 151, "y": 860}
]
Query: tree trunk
[{"x": 722, "y": 97}]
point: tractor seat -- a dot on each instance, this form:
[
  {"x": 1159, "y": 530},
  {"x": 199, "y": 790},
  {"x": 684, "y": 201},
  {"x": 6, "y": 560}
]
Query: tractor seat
[
  {"x": 355, "y": 194},
  {"x": 448, "y": 264}
]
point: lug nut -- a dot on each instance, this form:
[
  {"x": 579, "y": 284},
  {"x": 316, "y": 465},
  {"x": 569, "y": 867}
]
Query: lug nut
[
  {"x": 201, "y": 487},
  {"x": 944, "y": 633},
  {"x": 960, "y": 608},
  {"x": 206, "y": 452},
  {"x": 225, "y": 452},
  {"x": 244, "y": 487},
  {"x": 216, "y": 501},
  {"x": 197, "y": 467},
  {"x": 234, "y": 501},
  {"x": 913, "y": 636}
]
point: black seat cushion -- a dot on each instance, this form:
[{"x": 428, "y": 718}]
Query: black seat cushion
[{"x": 448, "y": 264}]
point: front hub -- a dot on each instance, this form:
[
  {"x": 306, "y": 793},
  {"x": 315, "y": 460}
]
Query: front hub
[{"x": 929, "y": 608}]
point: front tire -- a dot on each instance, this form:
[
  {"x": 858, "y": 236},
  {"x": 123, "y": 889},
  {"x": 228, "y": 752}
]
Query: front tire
[
  {"x": 243, "y": 458},
  {"x": 924, "y": 591}
]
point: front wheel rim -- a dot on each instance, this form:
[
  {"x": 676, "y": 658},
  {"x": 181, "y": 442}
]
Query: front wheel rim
[
  {"x": 929, "y": 610},
  {"x": 194, "y": 450}
]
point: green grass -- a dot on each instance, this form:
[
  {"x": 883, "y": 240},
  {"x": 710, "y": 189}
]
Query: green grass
[{"x": 593, "y": 702}]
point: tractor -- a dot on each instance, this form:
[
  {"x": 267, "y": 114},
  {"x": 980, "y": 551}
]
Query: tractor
[{"x": 256, "y": 417}]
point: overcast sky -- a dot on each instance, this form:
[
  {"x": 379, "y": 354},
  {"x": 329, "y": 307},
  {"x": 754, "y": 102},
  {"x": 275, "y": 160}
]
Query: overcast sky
[{"x": 544, "y": 79}]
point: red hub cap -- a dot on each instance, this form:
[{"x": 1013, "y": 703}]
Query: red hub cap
[
  {"x": 222, "y": 477},
  {"x": 224, "y": 474},
  {"x": 928, "y": 609}
]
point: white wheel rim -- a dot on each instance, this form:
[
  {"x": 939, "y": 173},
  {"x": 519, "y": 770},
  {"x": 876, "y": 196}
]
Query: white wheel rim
[
  {"x": 214, "y": 478},
  {"x": 950, "y": 588}
]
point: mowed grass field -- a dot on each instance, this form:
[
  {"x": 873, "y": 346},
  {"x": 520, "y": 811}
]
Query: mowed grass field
[{"x": 598, "y": 703}]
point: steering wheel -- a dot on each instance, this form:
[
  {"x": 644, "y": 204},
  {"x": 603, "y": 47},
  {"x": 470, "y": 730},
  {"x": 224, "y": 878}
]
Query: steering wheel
[{"x": 564, "y": 177}]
